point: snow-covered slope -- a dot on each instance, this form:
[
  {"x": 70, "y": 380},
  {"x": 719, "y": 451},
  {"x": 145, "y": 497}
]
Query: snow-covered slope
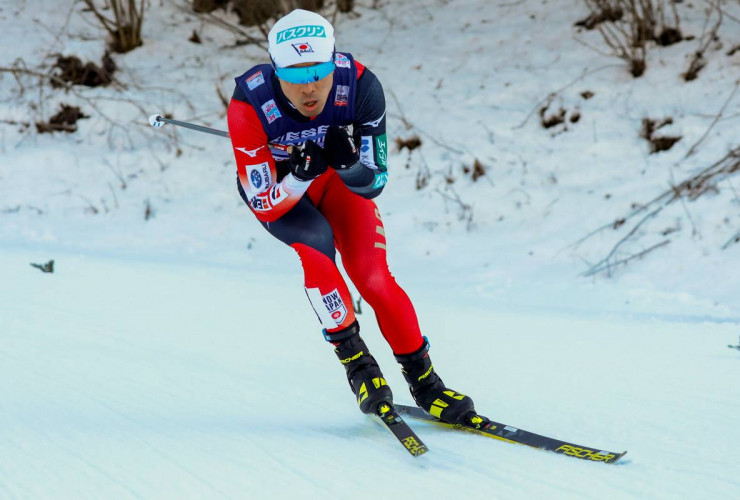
[
  {"x": 469, "y": 79},
  {"x": 125, "y": 379},
  {"x": 165, "y": 357}
]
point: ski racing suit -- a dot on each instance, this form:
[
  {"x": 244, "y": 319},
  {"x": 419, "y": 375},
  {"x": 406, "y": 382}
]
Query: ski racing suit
[{"x": 335, "y": 211}]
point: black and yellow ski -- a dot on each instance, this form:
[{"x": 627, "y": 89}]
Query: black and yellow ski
[
  {"x": 390, "y": 418},
  {"x": 485, "y": 427}
]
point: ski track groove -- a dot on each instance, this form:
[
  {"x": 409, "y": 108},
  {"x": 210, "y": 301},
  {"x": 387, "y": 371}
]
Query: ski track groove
[
  {"x": 280, "y": 464},
  {"x": 90, "y": 465},
  {"x": 6, "y": 492},
  {"x": 266, "y": 452},
  {"x": 135, "y": 436}
]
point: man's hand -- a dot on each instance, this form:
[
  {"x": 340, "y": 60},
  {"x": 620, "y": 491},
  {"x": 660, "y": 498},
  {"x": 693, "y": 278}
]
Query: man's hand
[
  {"x": 308, "y": 162},
  {"x": 340, "y": 149}
]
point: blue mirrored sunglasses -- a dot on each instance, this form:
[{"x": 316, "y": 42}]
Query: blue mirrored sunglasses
[{"x": 305, "y": 74}]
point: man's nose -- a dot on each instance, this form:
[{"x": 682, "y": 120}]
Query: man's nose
[{"x": 308, "y": 88}]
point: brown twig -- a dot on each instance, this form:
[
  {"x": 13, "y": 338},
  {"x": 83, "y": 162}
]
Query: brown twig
[
  {"x": 691, "y": 188},
  {"x": 717, "y": 117},
  {"x": 735, "y": 239},
  {"x": 609, "y": 266},
  {"x": 697, "y": 61},
  {"x": 548, "y": 99},
  {"x": 410, "y": 126},
  {"x": 466, "y": 210},
  {"x": 406, "y": 123},
  {"x": 222, "y": 97},
  {"x": 17, "y": 71}
]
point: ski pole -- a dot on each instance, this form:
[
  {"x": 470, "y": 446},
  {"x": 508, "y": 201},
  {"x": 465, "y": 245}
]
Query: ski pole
[{"x": 158, "y": 121}]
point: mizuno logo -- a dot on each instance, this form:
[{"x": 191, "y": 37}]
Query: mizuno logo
[
  {"x": 375, "y": 123},
  {"x": 251, "y": 152}
]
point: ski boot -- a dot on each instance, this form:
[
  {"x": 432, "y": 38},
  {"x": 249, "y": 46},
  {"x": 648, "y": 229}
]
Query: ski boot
[
  {"x": 431, "y": 394},
  {"x": 363, "y": 373}
]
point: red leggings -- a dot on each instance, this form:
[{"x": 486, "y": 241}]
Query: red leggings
[{"x": 331, "y": 217}]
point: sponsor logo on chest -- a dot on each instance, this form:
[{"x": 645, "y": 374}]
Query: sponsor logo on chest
[
  {"x": 271, "y": 111},
  {"x": 315, "y": 134},
  {"x": 255, "y": 80},
  {"x": 342, "y": 61},
  {"x": 342, "y": 97}
]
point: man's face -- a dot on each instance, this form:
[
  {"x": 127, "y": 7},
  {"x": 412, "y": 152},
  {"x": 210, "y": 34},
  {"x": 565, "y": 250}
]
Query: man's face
[{"x": 308, "y": 98}]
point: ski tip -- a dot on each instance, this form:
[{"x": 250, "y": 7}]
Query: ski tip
[{"x": 618, "y": 457}]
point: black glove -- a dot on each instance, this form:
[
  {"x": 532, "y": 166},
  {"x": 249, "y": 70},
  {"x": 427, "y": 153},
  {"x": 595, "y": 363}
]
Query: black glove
[
  {"x": 307, "y": 162},
  {"x": 339, "y": 148}
]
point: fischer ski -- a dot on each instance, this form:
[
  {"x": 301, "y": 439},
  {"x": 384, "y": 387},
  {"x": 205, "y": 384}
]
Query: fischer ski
[
  {"x": 390, "y": 418},
  {"x": 485, "y": 427}
]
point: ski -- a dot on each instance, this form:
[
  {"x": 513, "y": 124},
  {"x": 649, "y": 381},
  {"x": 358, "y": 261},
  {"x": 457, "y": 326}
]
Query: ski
[
  {"x": 511, "y": 434},
  {"x": 390, "y": 418}
]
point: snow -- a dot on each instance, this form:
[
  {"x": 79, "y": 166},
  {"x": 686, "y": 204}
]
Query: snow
[{"x": 164, "y": 358}]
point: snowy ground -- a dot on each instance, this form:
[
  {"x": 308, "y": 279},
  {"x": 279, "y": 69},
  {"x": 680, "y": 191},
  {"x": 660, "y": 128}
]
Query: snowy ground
[
  {"x": 124, "y": 379},
  {"x": 163, "y": 358}
]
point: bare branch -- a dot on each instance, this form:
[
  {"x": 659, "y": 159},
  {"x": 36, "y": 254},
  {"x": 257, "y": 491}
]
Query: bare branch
[
  {"x": 691, "y": 189},
  {"x": 717, "y": 117},
  {"x": 608, "y": 266},
  {"x": 548, "y": 99},
  {"x": 735, "y": 239},
  {"x": 605, "y": 261}
]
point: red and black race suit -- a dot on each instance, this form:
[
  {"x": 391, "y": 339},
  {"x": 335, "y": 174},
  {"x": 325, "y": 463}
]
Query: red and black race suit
[{"x": 333, "y": 212}]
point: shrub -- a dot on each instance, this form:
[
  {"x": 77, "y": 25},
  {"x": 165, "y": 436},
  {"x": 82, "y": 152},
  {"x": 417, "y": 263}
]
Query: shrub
[
  {"x": 124, "y": 29},
  {"x": 627, "y": 26}
]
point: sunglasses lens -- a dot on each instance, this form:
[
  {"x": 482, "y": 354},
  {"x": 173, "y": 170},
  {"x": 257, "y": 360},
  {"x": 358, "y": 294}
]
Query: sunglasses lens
[{"x": 305, "y": 74}]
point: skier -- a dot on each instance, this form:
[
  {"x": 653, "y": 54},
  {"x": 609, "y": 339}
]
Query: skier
[{"x": 301, "y": 172}]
